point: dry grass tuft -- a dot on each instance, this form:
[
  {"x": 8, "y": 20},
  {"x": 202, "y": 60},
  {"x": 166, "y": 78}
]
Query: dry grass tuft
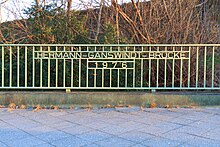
[
  {"x": 142, "y": 108},
  {"x": 89, "y": 107}
]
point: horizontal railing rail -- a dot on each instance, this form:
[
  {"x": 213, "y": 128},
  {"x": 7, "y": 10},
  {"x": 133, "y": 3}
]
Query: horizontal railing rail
[{"x": 110, "y": 66}]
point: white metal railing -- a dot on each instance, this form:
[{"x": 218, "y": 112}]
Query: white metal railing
[{"x": 96, "y": 66}]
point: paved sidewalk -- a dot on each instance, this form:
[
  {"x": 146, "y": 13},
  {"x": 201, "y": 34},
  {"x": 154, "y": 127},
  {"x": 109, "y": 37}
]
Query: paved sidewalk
[{"x": 110, "y": 127}]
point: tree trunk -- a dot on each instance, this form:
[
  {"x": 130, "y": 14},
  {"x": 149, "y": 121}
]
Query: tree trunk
[
  {"x": 117, "y": 24},
  {"x": 69, "y": 6},
  {"x": 37, "y": 3},
  {"x": 99, "y": 20}
]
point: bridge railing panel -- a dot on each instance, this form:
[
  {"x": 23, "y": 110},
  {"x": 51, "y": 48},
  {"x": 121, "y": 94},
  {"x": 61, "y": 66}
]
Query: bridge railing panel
[{"x": 96, "y": 66}]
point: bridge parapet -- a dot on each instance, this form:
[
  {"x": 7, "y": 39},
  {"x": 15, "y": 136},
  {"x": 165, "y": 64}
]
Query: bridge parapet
[{"x": 98, "y": 66}]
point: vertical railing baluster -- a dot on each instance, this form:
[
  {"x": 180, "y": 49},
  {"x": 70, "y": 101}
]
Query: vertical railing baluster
[
  {"x": 142, "y": 67},
  {"x": 149, "y": 70},
  {"x": 157, "y": 84},
  {"x": 110, "y": 79},
  {"x": 41, "y": 68},
  {"x": 10, "y": 72},
  {"x": 197, "y": 66},
  {"x": 95, "y": 78},
  {"x": 18, "y": 66},
  {"x": 33, "y": 68},
  {"x": 213, "y": 65},
  {"x": 110, "y": 74},
  {"x": 64, "y": 69},
  {"x": 118, "y": 70},
  {"x": 26, "y": 67},
  {"x": 80, "y": 68},
  {"x": 103, "y": 76},
  {"x": 3, "y": 66},
  {"x": 118, "y": 77},
  {"x": 126, "y": 71},
  {"x": 56, "y": 68},
  {"x": 134, "y": 69},
  {"x": 173, "y": 69},
  {"x": 205, "y": 52},
  {"x": 165, "y": 70},
  {"x": 95, "y": 73},
  {"x": 181, "y": 69},
  {"x": 72, "y": 70},
  {"x": 48, "y": 68},
  {"x": 87, "y": 69},
  {"x": 189, "y": 66}
]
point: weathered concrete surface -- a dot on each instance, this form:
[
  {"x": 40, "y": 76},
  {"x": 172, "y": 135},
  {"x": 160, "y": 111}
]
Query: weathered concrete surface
[
  {"x": 110, "y": 127},
  {"x": 112, "y": 98}
]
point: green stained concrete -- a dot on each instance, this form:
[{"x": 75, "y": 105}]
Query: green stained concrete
[{"x": 111, "y": 98}]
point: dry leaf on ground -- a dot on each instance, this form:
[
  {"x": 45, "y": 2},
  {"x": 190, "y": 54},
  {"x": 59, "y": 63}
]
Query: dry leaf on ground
[
  {"x": 37, "y": 108},
  {"x": 56, "y": 107},
  {"x": 2, "y": 106},
  {"x": 23, "y": 107},
  {"x": 12, "y": 106},
  {"x": 72, "y": 107},
  {"x": 153, "y": 105}
]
